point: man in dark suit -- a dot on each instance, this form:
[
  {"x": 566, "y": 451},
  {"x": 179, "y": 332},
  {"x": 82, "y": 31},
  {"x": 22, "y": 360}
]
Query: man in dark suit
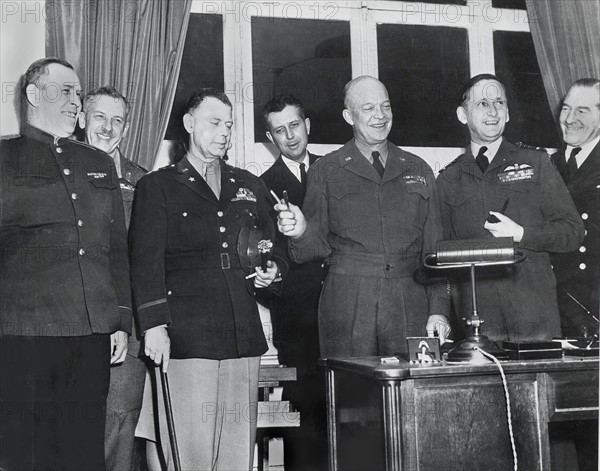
[
  {"x": 517, "y": 303},
  {"x": 64, "y": 281},
  {"x": 191, "y": 237},
  {"x": 105, "y": 122},
  {"x": 578, "y": 272},
  {"x": 294, "y": 313},
  {"x": 372, "y": 209}
]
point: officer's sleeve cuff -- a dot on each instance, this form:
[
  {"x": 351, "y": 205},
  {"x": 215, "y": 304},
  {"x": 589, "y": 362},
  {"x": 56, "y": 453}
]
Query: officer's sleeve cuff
[
  {"x": 126, "y": 317},
  {"x": 153, "y": 313}
]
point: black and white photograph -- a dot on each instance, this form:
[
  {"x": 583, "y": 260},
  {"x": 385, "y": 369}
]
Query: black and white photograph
[{"x": 299, "y": 235}]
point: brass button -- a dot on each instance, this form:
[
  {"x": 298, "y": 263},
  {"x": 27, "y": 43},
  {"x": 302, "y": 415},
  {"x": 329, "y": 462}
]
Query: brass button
[
  {"x": 66, "y": 171},
  {"x": 222, "y": 229},
  {"x": 584, "y": 216},
  {"x": 59, "y": 150},
  {"x": 81, "y": 252},
  {"x": 582, "y": 266},
  {"x": 224, "y": 245},
  {"x": 80, "y": 223},
  {"x": 74, "y": 196},
  {"x": 582, "y": 249},
  {"x": 220, "y": 214}
]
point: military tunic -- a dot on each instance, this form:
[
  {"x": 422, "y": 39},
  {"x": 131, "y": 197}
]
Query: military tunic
[
  {"x": 374, "y": 232},
  {"x": 516, "y": 302},
  {"x": 578, "y": 272},
  {"x": 186, "y": 270},
  {"x": 64, "y": 268}
]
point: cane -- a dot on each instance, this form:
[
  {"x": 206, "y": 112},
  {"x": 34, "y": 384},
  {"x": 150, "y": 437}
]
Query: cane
[{"x": 170, "y": 423}]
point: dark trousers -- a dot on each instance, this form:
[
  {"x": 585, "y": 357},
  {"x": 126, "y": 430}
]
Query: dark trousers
[{"x": 53, "y": 402}]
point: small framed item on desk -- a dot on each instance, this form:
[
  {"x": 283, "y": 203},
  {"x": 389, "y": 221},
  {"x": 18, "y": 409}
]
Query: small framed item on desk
[{"x": 424, "y": 350}]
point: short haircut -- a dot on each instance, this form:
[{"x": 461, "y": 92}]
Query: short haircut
[
  {"x": 587, "y": 82},
  {"x": 105, "y": 91},
  {"x": 199, "y": 96},
  {"x": 278, "y": 103},
  {"x": 469, "y": 84},
  {"x": 350, "y": 86},
  {"x": 37, "y": 70}
]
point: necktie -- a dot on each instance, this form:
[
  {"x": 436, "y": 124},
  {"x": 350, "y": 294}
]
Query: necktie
[
  {"x": 481, "y": 159},
  {"x": 303, "y": 173},
  {"x": 212, "y": 177},
  {"x": 572, "y": 163},
  {"x": 377, "y": 163}
]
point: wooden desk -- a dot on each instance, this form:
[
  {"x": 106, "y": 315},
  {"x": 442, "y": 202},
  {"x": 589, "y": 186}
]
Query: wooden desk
[{"x": 406, "y": 417}]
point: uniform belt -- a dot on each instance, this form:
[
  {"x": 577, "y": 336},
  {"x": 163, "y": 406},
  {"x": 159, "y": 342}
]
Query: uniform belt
[
  {"x": 374, "y": 265},
  {"x": 199, "y": 259}
]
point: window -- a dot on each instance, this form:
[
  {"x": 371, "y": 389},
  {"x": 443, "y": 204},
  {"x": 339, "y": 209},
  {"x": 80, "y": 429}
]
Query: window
[
  {"x": 309, "y": 59},
  {"x": 201, "y": 65},
  {"x": 516, "y": 65},
  {"x": 423, "y": 68}
]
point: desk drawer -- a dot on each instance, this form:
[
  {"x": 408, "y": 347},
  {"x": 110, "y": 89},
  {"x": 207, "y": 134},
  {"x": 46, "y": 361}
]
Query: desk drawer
[{"x": 572, "y": 395}]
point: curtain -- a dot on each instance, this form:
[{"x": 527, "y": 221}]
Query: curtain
[
  {"x": 566, "y": 35},
  {"x": 135, "y": 46}
]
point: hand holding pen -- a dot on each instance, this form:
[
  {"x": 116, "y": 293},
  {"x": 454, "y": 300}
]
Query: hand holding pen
[{"x": 290, "y": 220}]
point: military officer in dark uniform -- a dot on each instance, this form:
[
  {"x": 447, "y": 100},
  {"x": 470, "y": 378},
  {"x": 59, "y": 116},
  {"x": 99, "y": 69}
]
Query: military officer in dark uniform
[
  {"x": 578, "y": 272},
  {"x": 105, "y": 122},
  {"x": 191, "y": 244},
  {"x": 64, "y": 281},
  {"x": 372, "y": 209},
  {"x": 294, "y": 313},
  {"x": 517, "y": 303}
]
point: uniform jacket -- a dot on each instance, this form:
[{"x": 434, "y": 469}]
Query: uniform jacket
[
  {"x": 578, "y": 272},
  {"x": 369, "y": 227},
  {"x": 130, "y": 175},
  {"x": 295, "y": 310},
  {"x": 64, "y": 268},
  {"x": 519, "y": 302},
  {"x": 185, "y": 268}
]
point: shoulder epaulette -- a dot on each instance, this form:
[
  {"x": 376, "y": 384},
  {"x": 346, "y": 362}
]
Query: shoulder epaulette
[
  {"x": 451, "y": 163},
  {"x": 530, "y": 147},
  {"x": 9, "y": 137}
]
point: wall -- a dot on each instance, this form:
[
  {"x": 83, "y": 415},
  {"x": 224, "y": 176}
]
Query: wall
[{"x": 22, "y": 40}]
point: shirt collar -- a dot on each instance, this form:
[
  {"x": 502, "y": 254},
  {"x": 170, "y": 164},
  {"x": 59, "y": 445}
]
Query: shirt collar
[
  {"x": 586, "y": 150},
  {"x": 366, "y": 151},
  {"x": 492, "y": 148},
  {"x": 294, "y": 166}
]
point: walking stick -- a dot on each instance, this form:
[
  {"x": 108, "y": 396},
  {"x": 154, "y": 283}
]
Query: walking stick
[{"x": 170, "y": 423}]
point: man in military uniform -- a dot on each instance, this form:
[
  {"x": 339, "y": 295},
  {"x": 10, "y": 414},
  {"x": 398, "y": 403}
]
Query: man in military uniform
[
  {"x": 578, "y": 272},
  {"x": 372, "y": 209},
  {"x": 64, "y": 281},
  {"x": 105, "y": 121},
  {"x": 517, "y": 303},
  {"x": 295, "y": 313},
  {"x": 191, "y": 252}
]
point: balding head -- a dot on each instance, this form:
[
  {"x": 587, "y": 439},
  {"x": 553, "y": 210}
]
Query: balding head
[{"x": 368, "y": 110}]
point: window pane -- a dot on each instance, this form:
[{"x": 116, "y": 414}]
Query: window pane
[
  {"x": 309, "y": 59},
  {"x": 531, "y": 120},
  {"x": 423, "y": 69},
  {"x": 201, "y": 65},
  {"x": 514, "y": 4}
]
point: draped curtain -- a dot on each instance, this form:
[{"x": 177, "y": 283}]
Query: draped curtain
[
  {"x": 566, "y": 35},
  {"x": 135, "y": 46}
]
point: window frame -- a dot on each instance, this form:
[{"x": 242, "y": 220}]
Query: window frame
[{"x": 478, "y": 17}]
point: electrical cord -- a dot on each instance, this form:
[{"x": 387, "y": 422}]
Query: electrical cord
[{"x": 508, "y": 411}]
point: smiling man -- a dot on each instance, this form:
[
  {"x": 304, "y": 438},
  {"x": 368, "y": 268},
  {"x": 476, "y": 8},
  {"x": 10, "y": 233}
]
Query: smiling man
[
  {"x": 519, "y": 302},
  {"x": 578, "y": 272},
  {"x": 64, "y": 281},
  {"x": 196, "y": 307},
  {"x": 105, "y": 122},
  {"x": 372, "y": 209}
]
